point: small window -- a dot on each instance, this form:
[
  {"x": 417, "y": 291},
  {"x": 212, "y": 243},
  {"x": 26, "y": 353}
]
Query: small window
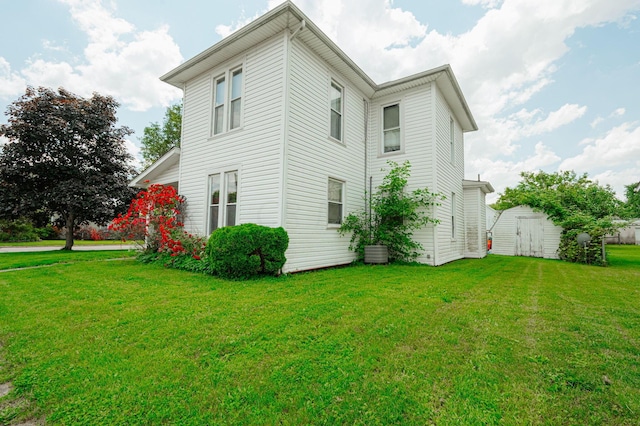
[
  {"x": 452, "y": 139},
  {"x": 227, "y": 101},
  {"x": 336, "y": 111},
  {"x": 236, "y": 99},
  {"x": 232, "y": 197},
  {"x": 218, "y": 109},
  {"x": 336, "y": 194},
  {"x": 214, "y": 202},
  {"x": 391, "y": 127}
]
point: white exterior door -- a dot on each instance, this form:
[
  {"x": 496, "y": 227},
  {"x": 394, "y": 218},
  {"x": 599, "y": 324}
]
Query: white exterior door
[{"x": 529, "y": 236}]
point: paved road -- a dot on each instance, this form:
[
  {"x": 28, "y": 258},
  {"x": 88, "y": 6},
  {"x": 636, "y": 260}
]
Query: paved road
[{"x": 75, "y": 247}]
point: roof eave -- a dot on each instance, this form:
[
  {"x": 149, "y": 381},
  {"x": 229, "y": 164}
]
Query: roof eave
[{"x": 160, "y": 165}]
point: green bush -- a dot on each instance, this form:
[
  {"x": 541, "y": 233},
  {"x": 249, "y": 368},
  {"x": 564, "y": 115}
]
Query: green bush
[
  {"x": 49, "y": 232},
  {"x": 18, "y": 230},
  {"x": 569, "y": 250},
  {"x": 247, "y": 250}
]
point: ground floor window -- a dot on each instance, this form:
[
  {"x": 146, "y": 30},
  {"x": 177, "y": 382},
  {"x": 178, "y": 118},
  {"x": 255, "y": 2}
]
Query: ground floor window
[
  {"x": 223, "y": 200},
  {"x": 335, "y": 201}
]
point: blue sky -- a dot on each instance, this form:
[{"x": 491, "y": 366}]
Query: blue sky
[{"x": 553, "y": 84}]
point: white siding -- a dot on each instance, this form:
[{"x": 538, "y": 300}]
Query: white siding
[
  {"x": 474, "y": 223},
  {"x": 449, "y": 178},
  {"x": 416, "y": 127},
  {"x": 253, "y": 149},
  {"x": 172, "y": 174},
  {"x": 505, "y": 238},
  {"x": 312, "y": 157}
]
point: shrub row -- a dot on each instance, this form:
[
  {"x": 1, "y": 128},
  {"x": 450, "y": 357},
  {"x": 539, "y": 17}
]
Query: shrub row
[
  {"x": 234, "y": 252},
  {"x": 23, "y": 230}
]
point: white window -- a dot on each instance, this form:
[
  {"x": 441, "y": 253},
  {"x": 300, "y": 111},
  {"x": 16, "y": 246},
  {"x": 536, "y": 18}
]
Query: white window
[
  {"x": 223, "y": 199},
  {"x": 453, "y": 215},
  {"x": 227, "y": 94},
  {"x": 214, "y": 202},
  {"x": 452, "y": 139},
  {"x": 335, "y": 201},
  {"x": 236, "y": 99},
  {"x": 336, "y": 102},
  {"x": 391, "y": 128},
  {"x": 218, "y": 107},
  {"x": 231, "y": 202}
]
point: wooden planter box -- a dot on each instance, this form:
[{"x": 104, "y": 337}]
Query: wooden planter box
[{"x": 376, "y": 254}]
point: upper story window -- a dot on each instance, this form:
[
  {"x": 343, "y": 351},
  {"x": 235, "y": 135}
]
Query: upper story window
[
  {"x": 335, "y": 201},
  {"x": 236, "y": 99},
  {"x": 391, "y": 127},
  {"x": 227, "y": 118},
  {"x": 218, "y": 107},
  {"x": 336, "y": 102}
]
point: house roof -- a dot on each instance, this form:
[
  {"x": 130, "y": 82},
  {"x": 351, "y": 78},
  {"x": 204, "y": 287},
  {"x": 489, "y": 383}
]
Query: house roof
[
  {"x": 154, "y": 171},
  {"x": 288, "y": 16},
  {"x": 484, "y": 186}
]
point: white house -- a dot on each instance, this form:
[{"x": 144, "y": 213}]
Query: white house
[
  {"x": 281, "y": 128},
  {"x": 521, "y": 231}
]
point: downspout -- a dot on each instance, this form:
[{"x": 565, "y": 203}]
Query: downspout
[
  {"x": 285, "y": 122},
  {"x": 303, "y": 25},
  {"x": 367, "y": 204}
]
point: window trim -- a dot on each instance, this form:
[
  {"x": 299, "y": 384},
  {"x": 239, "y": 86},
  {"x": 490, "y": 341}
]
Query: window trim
[
  {"x": 223, "y": 201},
  {"x": 214, "y": 116},
  {"x": 226, "y": 75},
  {"x": 342, "y": 203},
  {"x": 382, "y": 152},
  {"x": 232, "y": 73},
  {"x": 333, "y": 83}
]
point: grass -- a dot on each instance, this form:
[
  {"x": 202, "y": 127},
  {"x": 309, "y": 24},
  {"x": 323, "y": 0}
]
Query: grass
[
  {"x": 499, "y": 340},
  {"x": 60, "y": 243},
  {"x": 44, "y": 258}
]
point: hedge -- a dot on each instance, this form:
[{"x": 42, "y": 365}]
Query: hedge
[{"x": 247, "y": 250}]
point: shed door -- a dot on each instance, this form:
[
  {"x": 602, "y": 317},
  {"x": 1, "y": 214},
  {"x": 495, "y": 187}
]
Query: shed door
[
  {"x": 529, "y": 236},
  {"x": 638, "y": 235}
]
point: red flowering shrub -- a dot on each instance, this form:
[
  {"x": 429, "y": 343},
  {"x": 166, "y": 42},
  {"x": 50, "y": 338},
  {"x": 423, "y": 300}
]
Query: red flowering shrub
[{"x": 154, "y": 211}]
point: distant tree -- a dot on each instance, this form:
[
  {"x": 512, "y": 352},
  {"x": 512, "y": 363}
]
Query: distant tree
[
  {"x": 65, "y": 157},
  {"x": 571, "y": 201},
  {"x": 632, "y": 192},
  {"x": 158, "y": 140}
]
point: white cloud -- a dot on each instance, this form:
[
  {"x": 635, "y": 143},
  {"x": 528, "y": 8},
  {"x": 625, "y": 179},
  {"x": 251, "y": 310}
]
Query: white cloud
[
  {"x": 504, "y": 173},
  {"x": 11, "y": 83},
  {"x": 134, "y": 150},
  {"x": 618, "y": 112},
  {"x": 508, "y": 57},
  {"x": 619, "y": 147},
  {"x": 118, "y": 60},
  {"x": 483, "y": 3}
]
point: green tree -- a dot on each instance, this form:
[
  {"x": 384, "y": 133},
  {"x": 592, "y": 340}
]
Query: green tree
[
  {"x": 571, "y": 201},
  {"x": 65, "y": 157},
  {"x": 395, "y": 214},
  {"x": 157, "y": 140},
  {"x": 632, "y": 192}
]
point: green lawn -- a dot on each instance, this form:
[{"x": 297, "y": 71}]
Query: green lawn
[
  {"x": 500, "y": 340},
  {"x": 45, "y": 258},
  {"x": 60, "y": 243}
]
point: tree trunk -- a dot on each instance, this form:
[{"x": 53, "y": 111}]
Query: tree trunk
[{"x": 70, "y": 228}]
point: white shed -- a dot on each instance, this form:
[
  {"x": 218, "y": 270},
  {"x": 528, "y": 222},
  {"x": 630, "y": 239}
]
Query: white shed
[{"x": 521, "y": 231}]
